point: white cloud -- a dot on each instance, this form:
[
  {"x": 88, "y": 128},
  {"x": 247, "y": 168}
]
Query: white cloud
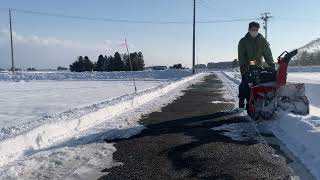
[
  {"x": 32, "y": 39},
  {"x": 35, "y": 51}
]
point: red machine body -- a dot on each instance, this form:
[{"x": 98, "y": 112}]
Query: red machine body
[{"x": 267, "y": 94}]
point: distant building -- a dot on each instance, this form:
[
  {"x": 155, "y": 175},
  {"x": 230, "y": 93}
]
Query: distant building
[
  {"x": 210, "y": 65},
  {"x": 16, "y": 69},
  {"x": 220, "y": 65},
  {"x": 200, "y": 66},
  {"x": 159, "y": 67}
]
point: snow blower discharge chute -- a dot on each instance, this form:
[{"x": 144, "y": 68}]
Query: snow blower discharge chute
[{"x": 269, "y": 90}]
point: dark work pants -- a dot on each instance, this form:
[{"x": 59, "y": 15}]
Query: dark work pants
[{"x": 244, "y": 91}]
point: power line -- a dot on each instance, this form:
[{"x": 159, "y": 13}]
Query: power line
[
  {"x": 98, "y": 18},
  {"x": 207, "y": 4},
  {"x": 226, "y": 20},
  {"x": 203, "y": 3},
  {"x": 210, "y": 2},
  {"x": 4, "y": 9},
  {"x": 296, "y": 19},
  {"x": 125, "y": 20}
]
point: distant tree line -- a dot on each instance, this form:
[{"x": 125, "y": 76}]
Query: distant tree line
[
  {"x": 60, "y": 68},
  {"x": 109, "y": 63},
  {"x": 82, "y": 64},
  {"x": 32, "y": 69},
  {"x": 306, "y": 59},
  {"x": 177, "y": 66}
]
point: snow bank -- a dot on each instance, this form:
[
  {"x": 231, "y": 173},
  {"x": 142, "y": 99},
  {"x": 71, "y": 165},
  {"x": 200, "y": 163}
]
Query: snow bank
[
  {"x": 58, "y": 129},
  {"x": 230, "y": 88},
  {"x": 233, "y": 76},
  {"x": 305, "y": 77},
  {"x": 301, "y": 135},
  {"x": 303, "y": 69},
  {"x": 71, "y": 163},
  {"x": 121, "y": 75}
]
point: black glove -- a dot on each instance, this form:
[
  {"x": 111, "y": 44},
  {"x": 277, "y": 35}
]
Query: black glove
[
  {"x": 272, "y": 65},
  {"x": 244, "y": 69}
]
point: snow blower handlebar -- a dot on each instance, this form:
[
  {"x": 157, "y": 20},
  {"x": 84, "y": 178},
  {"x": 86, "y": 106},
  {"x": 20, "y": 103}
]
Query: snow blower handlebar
[
  {"x": 283, "y": 66},
  {"x": 288, "y": 56}
]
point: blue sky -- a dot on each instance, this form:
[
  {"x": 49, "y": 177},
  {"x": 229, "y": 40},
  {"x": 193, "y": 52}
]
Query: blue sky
[{"x": 46, "y": 42}]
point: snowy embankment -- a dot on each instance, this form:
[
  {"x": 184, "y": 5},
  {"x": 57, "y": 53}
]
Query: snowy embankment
[
  {"x": 55, "y": 146},
  {"x": 121, "y": 75},
  {"x": 301, "y": 134}
]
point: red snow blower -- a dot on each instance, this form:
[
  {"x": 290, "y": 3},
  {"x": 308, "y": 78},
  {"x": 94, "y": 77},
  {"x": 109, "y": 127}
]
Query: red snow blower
[{"x": 269, "y": 90}]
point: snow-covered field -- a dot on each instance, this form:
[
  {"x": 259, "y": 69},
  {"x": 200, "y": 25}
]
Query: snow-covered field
[
  {"x": 300, "y": 134},
  {"x": 28, "y": 99},
  {"x": 22, "y": 102},
  {"x": 70, "y": 145}
]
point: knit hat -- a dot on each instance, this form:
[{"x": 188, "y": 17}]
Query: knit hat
[{"x": 254, "y": 24}]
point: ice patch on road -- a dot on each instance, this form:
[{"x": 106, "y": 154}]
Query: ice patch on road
[
  {"x": 243, "y": 131},
  {"x": 220, "y": 102}
]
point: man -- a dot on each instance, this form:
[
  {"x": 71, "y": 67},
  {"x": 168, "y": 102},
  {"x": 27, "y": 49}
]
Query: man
[{"x": 252, "y": 47}]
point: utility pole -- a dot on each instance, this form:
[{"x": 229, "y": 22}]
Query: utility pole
[
  {"x": 194, "y": 37},
  {"x": 134, "y": 82},
  {"x": 12, "y": 62},
  {"x": 265, "y": 17}
]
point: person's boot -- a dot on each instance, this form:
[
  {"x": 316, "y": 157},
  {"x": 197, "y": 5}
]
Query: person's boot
[{"x": 241, "y": 103}]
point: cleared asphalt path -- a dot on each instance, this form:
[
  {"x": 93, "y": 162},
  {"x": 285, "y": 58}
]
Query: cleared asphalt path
[{"x": 179, "y": 143}]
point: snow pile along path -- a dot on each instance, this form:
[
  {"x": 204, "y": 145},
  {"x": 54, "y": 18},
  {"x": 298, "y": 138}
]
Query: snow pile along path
[
  {"x": 79, "y": 162},
  {"x": 119, "y": 75},
  {"x": 301, "y": 134},
  {"x": 72, "y": 125}
]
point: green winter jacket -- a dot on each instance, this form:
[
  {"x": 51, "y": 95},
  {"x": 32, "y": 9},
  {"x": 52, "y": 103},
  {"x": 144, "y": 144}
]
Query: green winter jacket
[{"x": 253, "y": 49}]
